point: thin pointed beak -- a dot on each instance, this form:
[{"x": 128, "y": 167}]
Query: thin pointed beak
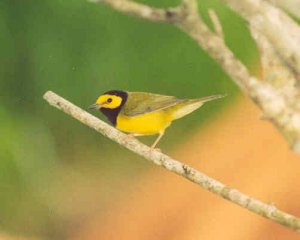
[{"x": 95, "y": 106}]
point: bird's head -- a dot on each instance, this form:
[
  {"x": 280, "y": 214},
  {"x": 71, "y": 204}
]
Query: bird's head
[
  {"x": 113, "y": 99},
  {"x": 110, "y": 104}
]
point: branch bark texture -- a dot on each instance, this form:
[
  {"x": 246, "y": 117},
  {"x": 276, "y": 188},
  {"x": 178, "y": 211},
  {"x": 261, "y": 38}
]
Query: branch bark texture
[
  {"x": 282, "y": 31},
  {"x": 291, "y": 6},
  {"x": 160, "y": 159},
  {"x": 279, "y": 106}
]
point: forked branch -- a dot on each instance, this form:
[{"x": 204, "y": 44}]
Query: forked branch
[{"x": 160, "y": 159}]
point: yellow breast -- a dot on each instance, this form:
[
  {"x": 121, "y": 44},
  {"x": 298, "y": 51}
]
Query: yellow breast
[{"x": 146, "y": 124}]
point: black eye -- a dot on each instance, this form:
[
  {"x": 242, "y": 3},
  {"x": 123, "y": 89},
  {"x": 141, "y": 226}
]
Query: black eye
[{"x": 109, "y": 100}]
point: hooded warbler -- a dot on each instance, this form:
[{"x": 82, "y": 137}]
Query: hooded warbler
[{"x": 142, "y": 113}]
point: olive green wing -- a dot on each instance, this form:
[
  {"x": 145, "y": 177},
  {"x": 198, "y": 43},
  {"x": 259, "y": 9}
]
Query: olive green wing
[{"x": 140, "y": 102}]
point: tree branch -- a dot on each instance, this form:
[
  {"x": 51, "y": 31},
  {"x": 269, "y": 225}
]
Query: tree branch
[
  {"x": 140, "y": 10},
  {"x": 292, "y": 6},
  {"x": 160, "y": 159},
  {"x": 282, "y": 31}
]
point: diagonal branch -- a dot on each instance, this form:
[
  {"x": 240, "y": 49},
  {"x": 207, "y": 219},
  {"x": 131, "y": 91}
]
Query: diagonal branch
[{"x": 160, "y": 159}]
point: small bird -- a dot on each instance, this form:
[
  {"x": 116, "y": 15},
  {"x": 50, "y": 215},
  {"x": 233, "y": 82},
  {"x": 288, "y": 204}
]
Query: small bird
[{"x": 142, "y": 113}]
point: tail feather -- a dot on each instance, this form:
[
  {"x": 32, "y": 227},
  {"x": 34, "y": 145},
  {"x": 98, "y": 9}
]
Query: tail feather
[
  {"x": 212, "y": 97},
  {"x": 193, "y": 104}
]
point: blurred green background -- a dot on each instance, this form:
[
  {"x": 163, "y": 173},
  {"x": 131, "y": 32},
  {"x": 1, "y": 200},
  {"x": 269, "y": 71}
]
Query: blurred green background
[{"x": 54, "y": 171}]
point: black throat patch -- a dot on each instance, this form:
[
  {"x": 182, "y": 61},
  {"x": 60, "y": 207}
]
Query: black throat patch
[{"x": 112, "y": 113}]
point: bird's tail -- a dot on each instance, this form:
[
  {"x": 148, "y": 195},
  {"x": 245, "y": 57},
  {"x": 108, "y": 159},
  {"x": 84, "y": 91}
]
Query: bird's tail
[
  {"x": 210, "y": 98},
  {"x": 191, "y": 105}
]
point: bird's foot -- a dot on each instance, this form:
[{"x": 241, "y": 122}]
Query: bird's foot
[{"x": 155, "y": 149}]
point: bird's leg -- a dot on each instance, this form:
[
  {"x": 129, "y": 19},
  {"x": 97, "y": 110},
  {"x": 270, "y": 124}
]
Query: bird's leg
[{"x": 157, "y": 140}]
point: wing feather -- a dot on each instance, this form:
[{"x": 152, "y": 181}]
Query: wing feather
[{"x": 140, "y": 103}]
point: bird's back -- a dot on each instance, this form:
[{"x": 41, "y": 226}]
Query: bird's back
[
  {"x": 141, "y": 103},
  {"x": 147, "y": 113}
]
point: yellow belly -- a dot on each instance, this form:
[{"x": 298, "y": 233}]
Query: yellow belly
[{"x": 146, "y": 124}]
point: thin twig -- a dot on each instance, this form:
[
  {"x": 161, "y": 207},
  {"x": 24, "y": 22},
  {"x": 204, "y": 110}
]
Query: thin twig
[
  {"x": 160, "y": 159},
  {"x": 216, "y": 22}
]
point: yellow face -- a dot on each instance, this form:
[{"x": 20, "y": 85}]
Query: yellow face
[{"x": 109, "y": 101}]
